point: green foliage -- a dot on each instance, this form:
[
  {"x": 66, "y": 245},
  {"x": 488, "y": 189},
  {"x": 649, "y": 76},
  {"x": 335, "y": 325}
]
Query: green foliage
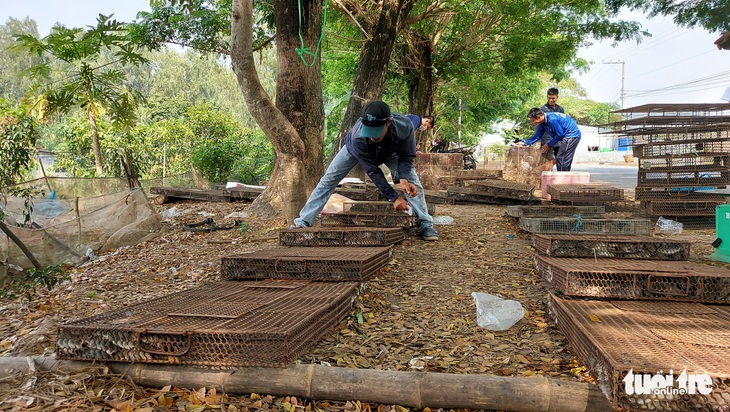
[
  {"x": 243, "y": 228},
  {"x": 17, "y": 143},
  {"x": 254, "y": 166},
  {"x": 13, "y": 62},
  {"x": 214, "y": 159},
  {"x": 201, "y": 24},
  {"x": 497, "y": 148},
  {"x": 86, "y": 79},
  {"x": 245, "y": 157},
  {"x": 710, "y": 14},
  {"x": 26, "y": 285},
  {"x": 72, "y": 142}
]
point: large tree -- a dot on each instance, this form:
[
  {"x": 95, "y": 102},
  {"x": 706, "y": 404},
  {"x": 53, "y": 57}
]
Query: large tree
[
  {"x": 293, "y": 119},
  {"x": 294, "y": 123},
  {"x": 85, "y": 80}
]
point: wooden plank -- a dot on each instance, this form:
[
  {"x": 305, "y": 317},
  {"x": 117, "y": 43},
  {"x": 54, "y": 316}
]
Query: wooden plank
[{"x": 191, "y": 193}]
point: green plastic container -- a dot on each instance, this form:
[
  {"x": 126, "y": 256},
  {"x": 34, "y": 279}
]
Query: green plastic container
[{"x": 722, "y": 231}]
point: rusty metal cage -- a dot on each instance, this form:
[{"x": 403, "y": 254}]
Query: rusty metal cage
[
  {"x": 683, "y": 179},
  {"x": 716, "y": 147},
  {"x": 310, "y": 263},
  {"x": 585, "y": 193},
  {"x": 377, "y": 207},
  {"x": 678, "y": 194},
  {"x": 341, "y": 236},
  {"x": 674, "y": 134},
  {"x": 656, "y": 338},
  {"x": 504, "y": 189},
  {"x": 681, "y": 207},
  {"x": 392, "y": 219},
  {"x": 357, "y": 193},
  {"x": 692, "y": 222},
  {"x": 622, "y": 247},
  {"x": 586, "y": 212},
  {"x": 636, "y": 279},
  {"x": 471, "y": 194},
  {"x": 586, "y": 226},
  {"x": 688, "y": 163},
  {"x": 229, "y": 324}
]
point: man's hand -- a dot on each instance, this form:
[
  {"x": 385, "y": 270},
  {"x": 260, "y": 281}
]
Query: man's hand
[
  {"x": 408, "y": 188},
  {"x": 544, "y": 148},
  {"x": 400, "y": 204}
]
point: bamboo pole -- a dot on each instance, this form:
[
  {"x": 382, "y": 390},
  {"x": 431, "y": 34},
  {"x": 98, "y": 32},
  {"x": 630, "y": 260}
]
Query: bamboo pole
[{"x": 412, "y": 389}]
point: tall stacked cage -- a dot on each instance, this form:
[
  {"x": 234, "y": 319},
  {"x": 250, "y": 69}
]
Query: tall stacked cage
[{"x": 684, "y": 153}]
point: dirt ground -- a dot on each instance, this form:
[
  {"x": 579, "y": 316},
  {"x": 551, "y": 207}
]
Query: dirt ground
[{"x": 417, "y": 315}]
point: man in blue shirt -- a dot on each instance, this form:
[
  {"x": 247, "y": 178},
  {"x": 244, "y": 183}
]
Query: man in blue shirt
[
  {"x": 378, "y": 137},
  {"x": 562, "y": 128},
  {"x": 549, "y": 107}
]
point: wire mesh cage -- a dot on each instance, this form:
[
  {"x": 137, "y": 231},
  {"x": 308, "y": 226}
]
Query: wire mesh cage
[
  {"x": 586, "y": 226},
  {"x": 585, "y": 193},
  {"x": 504, "y": 189},
  {"x": 310, "y": 263},
  {"x": 716, "y": 147},
  {"x": 674, "y": 134},
  {"x": 681, "y": 207},
  {"x": 473, "y": 194},
  {"x": 636, "y": 279},
  {"x": 341, "y": 236},
  {"x": 677, "y": 194},
  {"x": 692, "y": 222},
  {"x": 621, "y": 247},
  {"x": 623, "y": 343},
  {"x": 392, "y": 219},
  {"x": 586, "y": 212},
  {"x": 690, "y": 162},
  {"x": 683, "y": 179},
  {"x": 377, "y": 207},
  {"x": 230, "y": 324}
]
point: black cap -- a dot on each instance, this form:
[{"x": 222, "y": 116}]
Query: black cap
[{"x": 375, "y": 115}]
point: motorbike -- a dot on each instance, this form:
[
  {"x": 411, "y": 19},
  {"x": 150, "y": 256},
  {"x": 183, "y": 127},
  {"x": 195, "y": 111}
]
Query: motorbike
[{"x": 470, "y": 162}]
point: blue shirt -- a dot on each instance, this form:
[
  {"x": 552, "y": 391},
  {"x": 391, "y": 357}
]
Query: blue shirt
[
  {"x": 399, "y": 140},
  {"x": 559, "y": 125}
]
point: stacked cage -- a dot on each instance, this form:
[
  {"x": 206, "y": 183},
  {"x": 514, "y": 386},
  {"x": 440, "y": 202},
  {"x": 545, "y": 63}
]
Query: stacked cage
[
  {"x": 271, "y": 307},
  {"x": 683, "y": 152},
  {"x": 633, "y": 305}
]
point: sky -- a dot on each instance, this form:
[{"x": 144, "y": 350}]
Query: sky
[{"x": 675, "y": 65}]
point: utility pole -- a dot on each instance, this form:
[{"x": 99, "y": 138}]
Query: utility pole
[{"x": 623, "y": 78}]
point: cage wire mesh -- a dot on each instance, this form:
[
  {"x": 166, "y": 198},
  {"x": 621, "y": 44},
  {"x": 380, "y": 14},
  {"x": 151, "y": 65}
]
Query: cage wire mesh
[
  {"x": 664, "y": 338},
  {"x": 622, "y": 247}
]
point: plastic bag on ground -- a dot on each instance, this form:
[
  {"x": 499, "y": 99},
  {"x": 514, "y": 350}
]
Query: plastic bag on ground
[
  {"x": 495, "y": 313},
  {"x": 667, "y": 226},
  {"x": 443, "y": 220}
]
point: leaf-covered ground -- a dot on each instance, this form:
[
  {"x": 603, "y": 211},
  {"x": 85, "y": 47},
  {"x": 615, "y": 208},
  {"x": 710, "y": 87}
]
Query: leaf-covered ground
[{"x": 417, "y": 315}]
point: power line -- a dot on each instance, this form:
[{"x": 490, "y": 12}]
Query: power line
[{"x": 670, "y": 65}]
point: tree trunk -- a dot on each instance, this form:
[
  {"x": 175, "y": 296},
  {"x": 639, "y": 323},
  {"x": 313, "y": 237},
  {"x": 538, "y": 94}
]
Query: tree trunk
[
  {"x": 418, "y": 67},
  {"x": 95, "y": 143},
  {"x": 372, "y": 68},
  {"x": 295, "y": 124}
]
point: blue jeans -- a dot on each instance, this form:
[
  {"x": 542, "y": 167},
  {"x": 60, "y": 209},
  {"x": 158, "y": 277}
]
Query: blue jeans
[{"x": 338, "y": 170}]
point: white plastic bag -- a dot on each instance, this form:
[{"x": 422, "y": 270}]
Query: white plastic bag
[
  {"x": 667, "y": 226},
  {"x": 443, "y": 220},
  {"x": 495, "y": 313}
]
